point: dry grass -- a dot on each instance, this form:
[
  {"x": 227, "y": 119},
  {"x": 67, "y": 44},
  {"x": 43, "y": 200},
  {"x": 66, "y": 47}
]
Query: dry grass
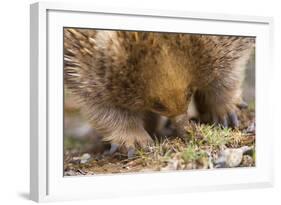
[{"x": 203, "y": 147}]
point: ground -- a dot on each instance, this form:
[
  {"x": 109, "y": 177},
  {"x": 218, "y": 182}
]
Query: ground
[{"x": 205, "y": 147}]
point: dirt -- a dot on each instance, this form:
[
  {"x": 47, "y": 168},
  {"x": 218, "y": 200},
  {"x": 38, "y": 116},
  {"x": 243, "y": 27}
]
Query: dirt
[{"x": 206, "y": 147}]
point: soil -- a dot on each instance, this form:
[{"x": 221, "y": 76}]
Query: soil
[{"x": 206, "y": 147}]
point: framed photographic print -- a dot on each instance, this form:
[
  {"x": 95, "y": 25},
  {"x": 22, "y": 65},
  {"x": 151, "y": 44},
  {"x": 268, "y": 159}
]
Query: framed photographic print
[{"x": 154, "y": 101}]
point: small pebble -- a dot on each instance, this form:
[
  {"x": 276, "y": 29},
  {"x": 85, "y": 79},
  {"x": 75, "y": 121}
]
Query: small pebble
[
  {"x": 231, "y": 157},
  {"x": 85, "y": 158},
  {"x": 75, "y": 160},
  {"x": 70, "y": 173}
]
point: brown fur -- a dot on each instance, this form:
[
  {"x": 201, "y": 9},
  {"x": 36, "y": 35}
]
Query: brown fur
[{"x": 119, "y": 77}]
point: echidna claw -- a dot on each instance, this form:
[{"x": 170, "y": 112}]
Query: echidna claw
[
  {"x": 113, "y": 149},
  {"x": 242, "y": 105},
  {"x": 131, "y": 152},
  {"x": 233, "y": 119}
]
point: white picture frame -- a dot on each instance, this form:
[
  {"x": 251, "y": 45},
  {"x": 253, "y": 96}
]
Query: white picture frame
[{"x": 47, "y": 182}]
